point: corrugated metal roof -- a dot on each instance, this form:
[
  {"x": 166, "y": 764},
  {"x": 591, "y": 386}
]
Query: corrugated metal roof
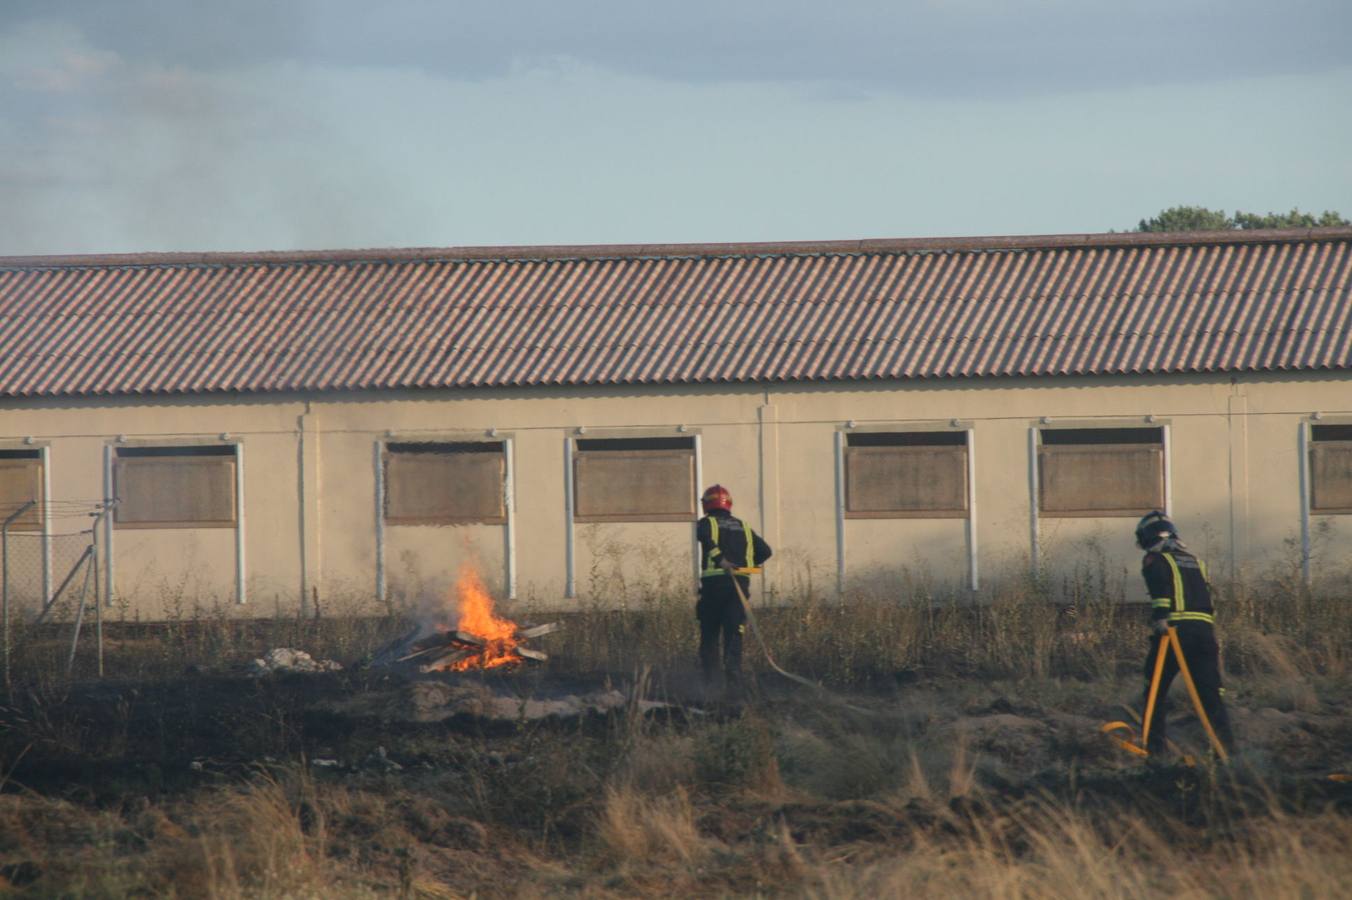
[{"x": 1058, "y": 305}]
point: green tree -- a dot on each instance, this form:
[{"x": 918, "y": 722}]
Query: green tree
[
  {"x": 1187, "y": 218},
  {"x": 1199, "y": 218},
  {"x": 1294, "y": 219}
]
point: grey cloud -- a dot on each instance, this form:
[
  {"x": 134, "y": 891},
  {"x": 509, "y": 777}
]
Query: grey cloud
[{"x": 920, "y": 47}]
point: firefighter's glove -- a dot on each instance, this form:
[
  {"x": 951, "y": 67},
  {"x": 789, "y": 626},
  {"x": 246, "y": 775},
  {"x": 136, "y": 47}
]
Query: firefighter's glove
[
  {"x": 1159, "y": 627},
  {"x": 728, "y": 565}
]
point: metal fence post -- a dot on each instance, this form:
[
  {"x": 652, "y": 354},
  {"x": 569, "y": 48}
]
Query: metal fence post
[
  {"x": 4, "y": 580},
  {"x": 98, "y": 602},
  {"x": 79, "y": 619}
]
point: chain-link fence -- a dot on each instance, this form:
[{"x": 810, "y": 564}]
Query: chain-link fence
[{"x": 48, "y": 582}]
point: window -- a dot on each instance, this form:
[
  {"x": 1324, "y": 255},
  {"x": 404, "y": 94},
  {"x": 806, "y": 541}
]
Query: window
[
  {"x": 445, "y": 483},
  {"x": 175, "y": 487},
  {"x": 1331, "y": 468},
  {"x": 1100, "y": 471},
  {"x": 918, "y": 474},
  {"x": 20, "y": 483},
  {"x": 634, "y": 480}
]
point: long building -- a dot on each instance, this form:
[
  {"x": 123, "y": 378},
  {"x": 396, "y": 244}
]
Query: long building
[{"x": 892, "y": 415}]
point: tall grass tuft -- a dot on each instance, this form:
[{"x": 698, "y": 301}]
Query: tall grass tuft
[{"x": 1078, "y": 625}]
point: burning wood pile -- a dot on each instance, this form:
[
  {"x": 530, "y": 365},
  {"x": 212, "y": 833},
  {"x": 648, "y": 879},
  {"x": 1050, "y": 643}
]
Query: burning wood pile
[
  {"x": 480, "y": 640},
  {"x": 457, "y": 651}
]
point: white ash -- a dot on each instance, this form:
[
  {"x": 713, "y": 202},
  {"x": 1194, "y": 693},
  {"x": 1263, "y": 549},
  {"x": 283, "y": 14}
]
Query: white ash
[
  {"x": 436, "y": 700},
  {"x": 287, "y": 659}
]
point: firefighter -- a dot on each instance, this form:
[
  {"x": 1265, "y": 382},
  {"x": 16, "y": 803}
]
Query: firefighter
[
  {"x": 1180, "y": 595},
  {"x": 726, "y": 544}
]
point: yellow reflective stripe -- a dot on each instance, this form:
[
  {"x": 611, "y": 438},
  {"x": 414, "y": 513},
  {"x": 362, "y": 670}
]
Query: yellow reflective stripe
[
  {"x": 1192, "y": 617},
  {"x": 1178, "y": 582},
  {"x": 1205, "y": 576},
  {"x": 1161, "y": 602},
  {"x": 714, "y": 552}
]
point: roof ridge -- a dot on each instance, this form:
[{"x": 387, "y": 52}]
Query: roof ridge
[{"x": 601, "y": 252}]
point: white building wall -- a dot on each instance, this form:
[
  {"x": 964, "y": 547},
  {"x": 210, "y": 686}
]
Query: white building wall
[{"x": 311, "y": 513}]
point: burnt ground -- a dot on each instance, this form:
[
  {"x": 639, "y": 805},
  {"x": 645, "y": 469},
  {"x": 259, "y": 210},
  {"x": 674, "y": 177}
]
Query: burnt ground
[
  {"x": 100, "y": 740},
  {"x": 530, "y": 754}
]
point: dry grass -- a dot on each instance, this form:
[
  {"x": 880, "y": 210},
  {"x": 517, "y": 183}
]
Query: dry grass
[
  {"x": 638, "y": 831},
  {"x": 1065, "y": 853},
  {"x": 247, "y": 841},
  {"x": 1080, "y": 625},
  {"x": 790, "y": 797},
  {"x": 1020, "y": 630},
  {"x": 279, "y": 835},
  {"x": 269, "y": 838}
]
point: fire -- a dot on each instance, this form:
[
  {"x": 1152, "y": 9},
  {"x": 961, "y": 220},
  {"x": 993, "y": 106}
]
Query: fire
[
  {"x": 477, "y": 618},
  {"x": 481, "y": 639}
]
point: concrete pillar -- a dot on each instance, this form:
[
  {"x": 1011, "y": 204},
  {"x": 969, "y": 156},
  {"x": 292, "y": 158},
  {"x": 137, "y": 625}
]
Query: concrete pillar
[
  {"x": 768, "y": 418},
  {"x": 309, "y": 499},
  {"x": 1238, "y": 429}
]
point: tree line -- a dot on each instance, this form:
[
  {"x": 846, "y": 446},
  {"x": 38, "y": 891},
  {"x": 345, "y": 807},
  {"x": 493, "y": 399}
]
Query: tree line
[{"x": 1199, "y": 218}]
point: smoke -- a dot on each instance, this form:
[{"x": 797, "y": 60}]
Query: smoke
[
  {"x": 146, "y": 125},
  {"x": 85, "y": 123}
]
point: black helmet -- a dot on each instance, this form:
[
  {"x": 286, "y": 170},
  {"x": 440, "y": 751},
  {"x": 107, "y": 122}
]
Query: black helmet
[{"x": 1154, "y": 527}]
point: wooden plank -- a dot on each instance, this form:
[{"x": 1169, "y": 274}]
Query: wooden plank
[
  {"x": 634, "y": 485},
  {"x": 1331, "y": 476},
  {"x": 905, "y": 481},
  {"x": 456, "y": 641},
  {"x": 384, "y": 655},
  {"x": 536, "y": 631},
  {"x": 20, "y": 482},
  {"x": 422, "y": 652},
  {"x": 1100, "y": 479},
  {"x": 436, "y": 639},
  {"x": 444, "y": 662},
  {"x": 444, "y": 485},
  {"x": 527, "y": 653},
  {"x": 175, "y": 491}
]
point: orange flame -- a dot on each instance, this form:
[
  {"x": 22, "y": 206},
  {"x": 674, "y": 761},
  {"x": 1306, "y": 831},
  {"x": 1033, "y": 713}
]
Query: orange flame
[{"x": 477, "y": 618}]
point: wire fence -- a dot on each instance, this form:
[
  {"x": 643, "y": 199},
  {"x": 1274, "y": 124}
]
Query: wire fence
[
  {"x": 48, "y": 574},
  {"x": 56, "y": 600}
]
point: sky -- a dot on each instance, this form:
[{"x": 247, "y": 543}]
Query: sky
[{"x": 167, "y": 125}]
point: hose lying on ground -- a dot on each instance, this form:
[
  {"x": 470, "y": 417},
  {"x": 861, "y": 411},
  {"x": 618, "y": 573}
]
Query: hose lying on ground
[{"x": 765, "y": 648}]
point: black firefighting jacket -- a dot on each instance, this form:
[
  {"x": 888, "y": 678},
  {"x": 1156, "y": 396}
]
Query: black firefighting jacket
[
  {"x": 1179, "y": 589},
  {"x": 722, "y": 536}
]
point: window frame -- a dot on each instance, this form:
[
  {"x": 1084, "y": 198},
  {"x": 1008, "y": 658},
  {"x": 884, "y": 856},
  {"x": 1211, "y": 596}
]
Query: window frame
[
  {"x": 683, "y": 447},
  {"x": 393, "y": 449},
  {"x": 1325, "y": 434},
  {"x": 138, "y": 455},
  {"x": 908, "y": 442},
  {"x": 18, "y": 458},
  {"x": 1103, "y": 438}
]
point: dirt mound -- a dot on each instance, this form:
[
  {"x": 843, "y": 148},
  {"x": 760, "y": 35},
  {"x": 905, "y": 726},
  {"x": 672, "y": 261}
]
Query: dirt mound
[
  {"x": 1299, "y": 739},
  {"x": 432, "y": 701}
]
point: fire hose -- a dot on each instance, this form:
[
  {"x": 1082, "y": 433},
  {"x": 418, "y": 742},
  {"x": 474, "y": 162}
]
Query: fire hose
[
  {"x": 765, "y": 648},
  {"x": 1169, "y": 638},
  {"x": 1168, "y": 642}
]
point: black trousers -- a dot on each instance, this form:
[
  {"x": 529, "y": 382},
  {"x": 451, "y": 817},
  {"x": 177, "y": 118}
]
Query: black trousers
[
  {"x": 1198, "y": 640},
  {"x": 720, "y": 615}
]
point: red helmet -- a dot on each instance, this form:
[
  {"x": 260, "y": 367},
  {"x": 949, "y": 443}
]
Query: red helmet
[{"x": 716, "y": 497}]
